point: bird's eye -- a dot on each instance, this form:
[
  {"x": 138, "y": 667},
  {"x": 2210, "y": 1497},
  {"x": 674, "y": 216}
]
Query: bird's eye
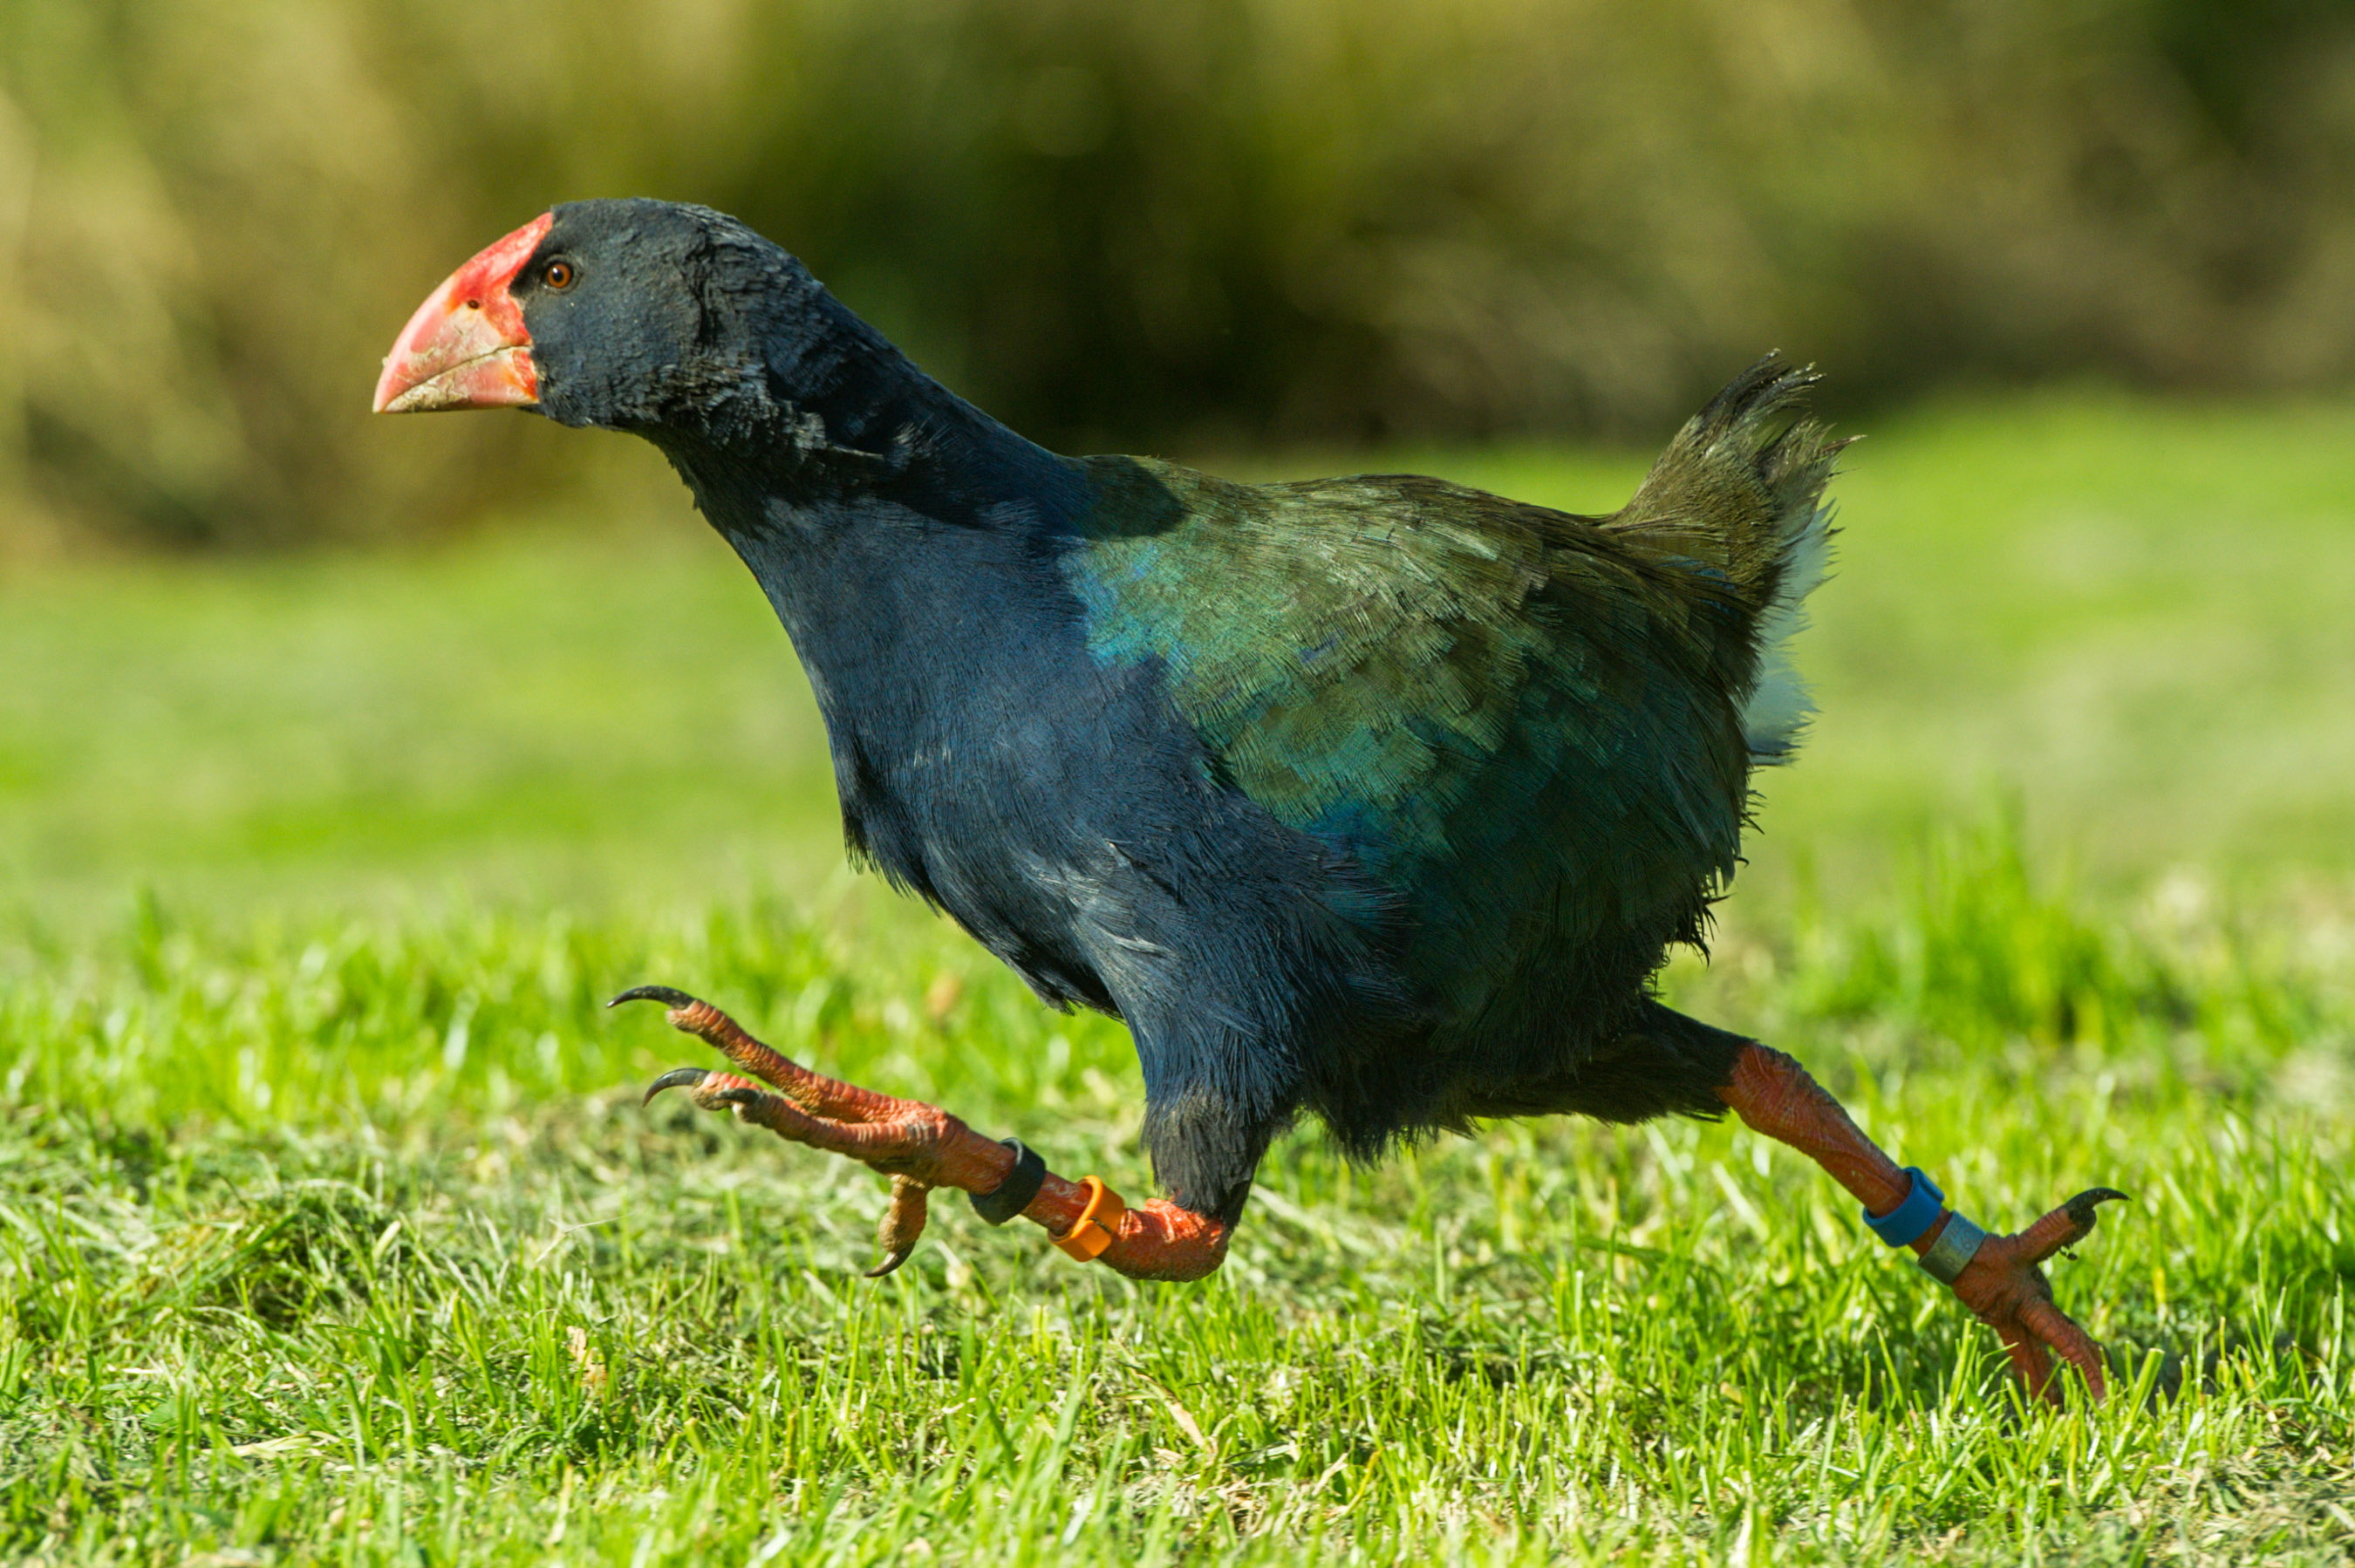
[{"x": 559, "y": 276}]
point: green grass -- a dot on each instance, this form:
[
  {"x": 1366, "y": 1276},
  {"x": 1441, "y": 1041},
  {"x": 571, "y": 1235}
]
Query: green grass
[{"x": 330, "y": 1229}]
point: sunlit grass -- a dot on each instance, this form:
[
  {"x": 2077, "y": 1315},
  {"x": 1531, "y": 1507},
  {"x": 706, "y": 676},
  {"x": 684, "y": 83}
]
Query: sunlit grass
[{"x": 348, "y": 1239}]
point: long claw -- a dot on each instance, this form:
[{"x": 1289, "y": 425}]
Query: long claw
[
  {"x": 813, "y": 1092},
  {"x": 676, "y": 1078},
  {"x": 2065, "y": 1226},
  {"x": 667, "y": 995},
  {"x": 902, "y": 1225},
  {"x": 2085, "y": 1207}
]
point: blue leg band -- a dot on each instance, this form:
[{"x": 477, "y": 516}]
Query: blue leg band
[{"x": 1903, "y": 1225}]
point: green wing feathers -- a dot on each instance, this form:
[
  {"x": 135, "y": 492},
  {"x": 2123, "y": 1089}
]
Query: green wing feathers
[{"x": 1530, "y": 723}]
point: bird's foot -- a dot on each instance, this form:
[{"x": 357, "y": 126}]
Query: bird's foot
[
  {"x": 921, "y": 1146},
  {"x": 2000, "y": 1280},
  {"x": 2004, "y": 1286}
]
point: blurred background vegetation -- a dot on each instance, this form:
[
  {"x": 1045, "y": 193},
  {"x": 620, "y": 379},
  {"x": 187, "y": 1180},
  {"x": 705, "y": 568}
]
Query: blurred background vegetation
[{"x": 1196, "y": 224}]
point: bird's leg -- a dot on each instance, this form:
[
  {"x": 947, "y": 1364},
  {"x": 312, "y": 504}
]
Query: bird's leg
[
  {"x": 2000, "y": 1282},
  {"x": 921, "y": 1146}
]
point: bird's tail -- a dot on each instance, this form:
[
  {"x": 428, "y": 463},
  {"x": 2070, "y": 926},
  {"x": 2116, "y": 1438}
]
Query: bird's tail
[{"x": 1738, "y": 495}]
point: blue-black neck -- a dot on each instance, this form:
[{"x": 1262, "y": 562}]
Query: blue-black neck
[
  {"x": 909, "y": 543},
  {"x": 833, "y": 424}
]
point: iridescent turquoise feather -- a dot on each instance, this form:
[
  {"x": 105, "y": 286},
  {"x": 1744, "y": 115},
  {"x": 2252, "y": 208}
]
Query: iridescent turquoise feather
[{"x": 1530, "y": 724}]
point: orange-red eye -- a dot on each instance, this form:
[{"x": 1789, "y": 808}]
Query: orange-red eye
[{"x": 559, "y": 276}]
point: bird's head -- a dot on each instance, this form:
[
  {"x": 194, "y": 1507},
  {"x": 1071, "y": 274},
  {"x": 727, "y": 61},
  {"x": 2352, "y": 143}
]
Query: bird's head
[
  {"x": 683, "y": 325},
  {"x": 631, "y": 315}
]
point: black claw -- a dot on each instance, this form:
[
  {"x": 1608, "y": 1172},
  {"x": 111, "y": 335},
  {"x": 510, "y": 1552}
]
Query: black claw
[
  {"x": 2085, "y": 1207},
  {"x": 677, "y": 1077},
  {"x": 739, "y": 1096},
  {"x": 667, "y": 995},
  {"x": 892, "y": 1261}
]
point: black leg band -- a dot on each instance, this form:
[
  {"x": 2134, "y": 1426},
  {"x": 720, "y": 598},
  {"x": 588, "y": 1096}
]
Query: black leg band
[{"x": 1013, "y": 1195}]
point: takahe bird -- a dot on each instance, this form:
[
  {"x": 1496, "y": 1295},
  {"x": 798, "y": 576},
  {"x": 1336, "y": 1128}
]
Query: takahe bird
[{"x": 1379, "y": 799}]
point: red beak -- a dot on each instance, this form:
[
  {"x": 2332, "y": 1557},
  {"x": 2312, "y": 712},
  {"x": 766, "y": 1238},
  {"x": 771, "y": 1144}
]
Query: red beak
[{"x": 466, "y": 346}]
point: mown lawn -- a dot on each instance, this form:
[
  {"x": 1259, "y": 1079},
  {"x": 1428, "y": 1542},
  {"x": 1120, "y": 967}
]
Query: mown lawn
[{"x": 330, "y": 1229}]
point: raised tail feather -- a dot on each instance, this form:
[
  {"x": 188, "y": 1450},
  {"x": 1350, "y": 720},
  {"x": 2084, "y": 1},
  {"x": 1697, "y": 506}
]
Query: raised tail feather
[{"x": 1738, "y": 493}]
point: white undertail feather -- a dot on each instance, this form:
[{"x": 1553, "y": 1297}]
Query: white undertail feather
[{"x": 1774, "y": 715}]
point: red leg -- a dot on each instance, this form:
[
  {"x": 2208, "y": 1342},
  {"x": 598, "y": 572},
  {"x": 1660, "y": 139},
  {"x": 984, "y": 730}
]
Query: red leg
[
  {"x": 919, "y": 1147},
  {"x": 2001, "y": 1284}
]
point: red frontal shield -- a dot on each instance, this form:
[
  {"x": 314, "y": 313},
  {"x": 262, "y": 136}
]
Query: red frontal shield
[{"x": 466, "y": 346}]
